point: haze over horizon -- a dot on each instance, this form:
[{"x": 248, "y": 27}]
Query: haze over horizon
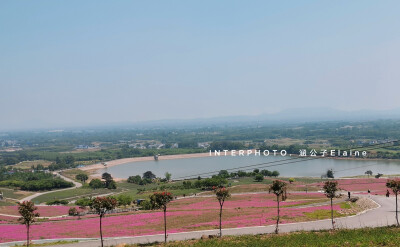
[{"x": 73, "y": 63}]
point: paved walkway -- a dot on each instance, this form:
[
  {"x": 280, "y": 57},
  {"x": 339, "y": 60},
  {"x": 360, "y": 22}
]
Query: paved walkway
[{"x": 382, "y": 216}]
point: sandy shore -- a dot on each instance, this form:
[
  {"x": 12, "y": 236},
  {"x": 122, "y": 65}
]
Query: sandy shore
[{"x": 139, "y": 159}]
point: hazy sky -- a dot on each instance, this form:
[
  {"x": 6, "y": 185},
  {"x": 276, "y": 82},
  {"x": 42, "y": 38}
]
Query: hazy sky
[{"x": 83, "y": 62}]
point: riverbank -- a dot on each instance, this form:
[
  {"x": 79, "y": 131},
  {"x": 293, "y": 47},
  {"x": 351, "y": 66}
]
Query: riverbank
[{"x": 112, "y": 163}]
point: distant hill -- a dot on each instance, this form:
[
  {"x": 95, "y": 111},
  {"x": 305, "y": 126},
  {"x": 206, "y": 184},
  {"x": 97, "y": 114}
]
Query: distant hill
[{"x": 296, "y": 115}]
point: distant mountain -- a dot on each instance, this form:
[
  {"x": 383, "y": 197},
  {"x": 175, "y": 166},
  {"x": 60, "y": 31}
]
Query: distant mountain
[
  {"x": 329, "y": 114},
  {"x": 289, "y": 116}
]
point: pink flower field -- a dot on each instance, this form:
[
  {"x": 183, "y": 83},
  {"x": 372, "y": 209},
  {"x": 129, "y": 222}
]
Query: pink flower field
[
  {"x": 376, "y": 186},
  {"x": 183, "y": 215}
]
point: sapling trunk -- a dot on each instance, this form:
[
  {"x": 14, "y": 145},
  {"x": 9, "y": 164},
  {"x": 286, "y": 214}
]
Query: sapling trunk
[
  {"x": 101, "y": 232},
  {"x": 165, "y": 224},
  {"x": 277, "y": 220},
  {"x": 220, "y": 221},
  {"x": 333, "y": 223},
  {"x": 397, "y": 216},
  {"x": 27, "y": 235}
]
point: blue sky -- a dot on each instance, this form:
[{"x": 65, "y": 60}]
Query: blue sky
[{"x": 65, "y": 63}]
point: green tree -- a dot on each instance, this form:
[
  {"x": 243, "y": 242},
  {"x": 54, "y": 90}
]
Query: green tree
[
  {"x": 222, "y": 194},
  {"x": 82, "y": 177},
  {"x": 83, "y": 202},
  {"x": 168, "y": 176},
  {"x": 149, "y": 175},
  {"x": 124, "y": 200},
  {"x": 223, "y": 173},
  {"x": 277, "y": 187},
  {"x": 160, "y": 200},
  {"x": 134, "y": 179},
  {"x": 241, "y": 173},
  {"x": 107, "y": 179},
  {"x": 112, "y": 185},
  {"x": 275, "y": 174},
  {"x": 394, "y": 184},
  {"x": 101, "y": 205},
  {"x": 330, "y": 189},
  {"x": 291, "y": 180},
  {"x": 59, "y": 160},
  {"x": 266, "y": 173},
  {"x": 27, "y": 210},
  {"x": 259, "y": 177},
  {"x": 329, "y": 173},
  {"x": 96, "y": 184},
  {"x": 369, "y": 173},
  {"x": 69, "y": 159}
]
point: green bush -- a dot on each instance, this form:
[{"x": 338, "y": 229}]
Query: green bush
[
  {"x": 259, "y": 177},
  {"x": 57, "y": 202},
  {"x": 145, "y": 205}
]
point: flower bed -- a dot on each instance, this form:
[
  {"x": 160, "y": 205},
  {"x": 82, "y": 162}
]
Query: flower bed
[{"x": 182, "y": 215}]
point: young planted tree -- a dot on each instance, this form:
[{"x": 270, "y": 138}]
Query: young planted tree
[
  {"x": 222, "y": 194},
  {"x": 277, "y": 187},
  {"x": 101, "y": 205},
  {"x": 160, "y": 200},
  {"x": 27, "y": 211},
  {"x": 394, "y": 184},
  {"x": 330, "y": 188}
]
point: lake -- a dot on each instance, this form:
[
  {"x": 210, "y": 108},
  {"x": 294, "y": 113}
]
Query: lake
[{"x": 306, "y": 168}]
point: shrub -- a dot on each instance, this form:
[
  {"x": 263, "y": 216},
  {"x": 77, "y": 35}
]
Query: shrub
[
  {"x": 57, "y": 202},
  {"x": 72, "y": 211},
  {"x": 259, "y": 177}
]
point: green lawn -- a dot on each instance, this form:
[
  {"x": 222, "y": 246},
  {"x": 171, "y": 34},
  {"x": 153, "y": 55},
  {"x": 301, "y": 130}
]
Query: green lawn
[
  {"x": 133, "y": 189},
  {"x": 15, "y": 194},
  {"x": 7, "y": 203},
  {"x": 384, "y": 236},
  {"x": 72, "y": 194}
]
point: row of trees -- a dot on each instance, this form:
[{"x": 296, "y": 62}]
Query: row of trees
[
  {"x": 255, "y": 172},
  {"x": 148, "y": 178}
]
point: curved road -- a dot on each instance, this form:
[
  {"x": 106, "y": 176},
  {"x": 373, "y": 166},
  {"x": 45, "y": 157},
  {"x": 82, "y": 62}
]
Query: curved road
[
  {"x": 76, "y": 185},
  {"x": 383, "y": 215}
]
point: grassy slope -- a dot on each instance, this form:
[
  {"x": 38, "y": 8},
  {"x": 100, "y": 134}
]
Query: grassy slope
[
  {"x": 384, "y": 236},
  {"x": 15, "y": 194},
  {"x": 72, "y": 194}
]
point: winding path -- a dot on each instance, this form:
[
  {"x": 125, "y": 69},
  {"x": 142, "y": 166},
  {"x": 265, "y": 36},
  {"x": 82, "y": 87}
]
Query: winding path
[
  {"x": 383, "y": 215},
  {"x": 76, "y": 185}
]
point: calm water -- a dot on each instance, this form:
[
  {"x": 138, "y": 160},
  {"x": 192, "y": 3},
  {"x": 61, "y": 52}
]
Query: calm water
[{"x": 314, "y": 168}]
